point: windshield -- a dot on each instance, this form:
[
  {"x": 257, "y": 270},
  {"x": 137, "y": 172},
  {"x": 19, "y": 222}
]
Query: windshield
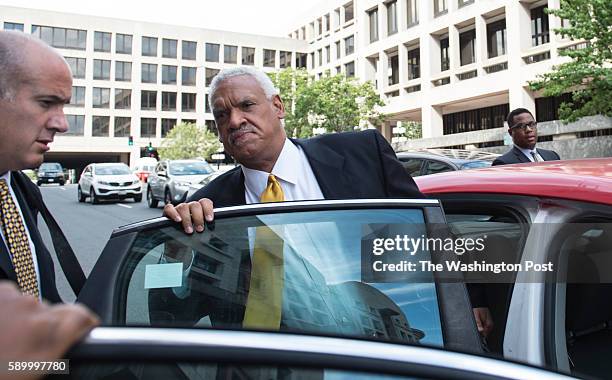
[
  {"x": 475, "y": 164},
  {"x": 112, "y": 170},
  {"x": 190, "y": 168},
  {"x": 50, "y": 166}
]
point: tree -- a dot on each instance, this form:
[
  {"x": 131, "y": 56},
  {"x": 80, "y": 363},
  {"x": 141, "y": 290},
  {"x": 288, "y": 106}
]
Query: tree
[
  {"x": 413, "y": 129},
  {"x": 290, "y": 82},
  {"x": 187, "y": 140},
  {"x": 589, "y": 73}
]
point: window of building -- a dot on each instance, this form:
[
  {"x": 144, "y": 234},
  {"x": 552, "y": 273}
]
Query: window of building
[
  {"x": 123, "y": 71},
  {"x": 99, "y": 126},
  {"x": 61, "y": 37},
  {"x": 206, "y": 104},
  {"x": 188, "y": 102},
  {"x": 269, "y": 58},
  {"x": 148, "y": 73},
  {"x": 444, "y": 56},
  {"x": 320, "y": 55},
  {"x": 463, "y": 3},
  {"x": 147, "y": 127},
  {"x": 373, "y": 18},
  {"x": 166, "y": 126},
  {"x": 13, "y": 26},
  {"x": 122, "y": 126},
  {"x": 123, "y": 43},
  {"x": 189, "y": 121},
  {"x": 284, "y": 59},
  {"x": 475, "y": 120},
  {"x": 212, "y": 52},
  {"x": 327, "y": 22},
  {"x": 467, "y": 42},
  {"x": 312, "y": 60},
  {"x": 349, "y": 12},
  {"x": 76, "y": 125},
  {"x": 320, "y": 26},
  {"x": 391, "y": 17},
  {"x": 349, "y": 69},
  {"x": 101, "y": 69},
  {"x": 248, "y": 56},
  {"x": 189, "y": 50},
  {"x": 168, "y": 74},
  {"x": 77, "y": 66},
  {"x": 414, "y": 64},
  {"x": 102, "y": 41},
  {"x": 327, "y": 54},
  {"x": 123, "y": 98},
  {"x": 78, "y": 96},
  {"x": 496, "y": 38},
  {"x": 188, "y": 76},
  {"x": 149, "y": 46},
  {"x": 440, "y": 7},
  {"x": 100, "y": 97},
  {"x": 301, "y": 60},
  {"x": 393, "y": 70},
  {"x": 412, "y": 13},
  {"x": 338, "y": 50},
  {"x": 336, "y": 19},
  {"x": 169, "y": 48},
  {"x": 210, "y": 74},
  {"x": 168, "y": 101},
  {"x": 230, "y": 54},
  {"x": 349, "y": 45},
  {"x": 148, "y": 100},
  {"x": 539, "y": 26}
]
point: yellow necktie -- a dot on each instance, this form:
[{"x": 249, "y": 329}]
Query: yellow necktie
[
  {"x": 17, "y": 242},
  {"x": 264, "y": 303}
]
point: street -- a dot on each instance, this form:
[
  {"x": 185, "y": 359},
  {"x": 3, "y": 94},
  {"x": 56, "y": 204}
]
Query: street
[{"x": 87, "y": 227}]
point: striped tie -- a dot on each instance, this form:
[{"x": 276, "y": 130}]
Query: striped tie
[{"x": 17, "y": 242}]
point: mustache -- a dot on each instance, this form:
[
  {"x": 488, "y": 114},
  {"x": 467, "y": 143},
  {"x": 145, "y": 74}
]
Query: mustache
[{"x": 240, "y": 131}]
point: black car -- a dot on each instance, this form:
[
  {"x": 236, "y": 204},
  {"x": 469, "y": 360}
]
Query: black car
[{"x": 51, "y": 172}]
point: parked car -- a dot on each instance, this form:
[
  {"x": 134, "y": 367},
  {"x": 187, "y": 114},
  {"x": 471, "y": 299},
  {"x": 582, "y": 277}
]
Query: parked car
[
  {"x": 432, "y": 161},
  {"x": 51, "y": 172},
  {"x": 143, "y": 167},
  {"x": 194, "y": 187},
  {"x": 171, "y": 179},
  {"x": 108, "y": 181}
]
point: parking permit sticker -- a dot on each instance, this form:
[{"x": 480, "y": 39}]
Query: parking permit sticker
[{"x": 163, "y": 275}]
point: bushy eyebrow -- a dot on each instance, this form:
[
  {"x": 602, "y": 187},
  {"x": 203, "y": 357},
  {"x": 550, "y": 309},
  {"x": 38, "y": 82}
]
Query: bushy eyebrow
[{"x": 54, "y": 99}]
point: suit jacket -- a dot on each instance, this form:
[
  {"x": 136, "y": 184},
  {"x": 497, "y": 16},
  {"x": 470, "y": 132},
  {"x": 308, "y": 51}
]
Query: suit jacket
[
  {"x": 46, "y": 269},
  {"x": 515, "y": 156}
]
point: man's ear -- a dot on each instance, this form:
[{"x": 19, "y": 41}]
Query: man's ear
[
  {"x": 279, "y": 106},
  {"x": 510, "y": 131}
]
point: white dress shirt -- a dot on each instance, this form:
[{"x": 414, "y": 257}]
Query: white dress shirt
[{"x": 527, "y": 153}]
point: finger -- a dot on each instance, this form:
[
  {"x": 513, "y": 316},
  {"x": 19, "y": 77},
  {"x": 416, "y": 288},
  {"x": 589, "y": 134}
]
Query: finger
[
  {"x": 197, "y": 216},
  {"x": 208, "y": 208},
  {"x": 184, "y": 212},
  {"x": 71, "y": 323},
  {"x": 170, "y": 212}
]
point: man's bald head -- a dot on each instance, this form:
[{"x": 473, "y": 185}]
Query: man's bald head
[{"x": 15, "y": 48}]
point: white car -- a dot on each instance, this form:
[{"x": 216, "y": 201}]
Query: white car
[{"x": 108, "y": 181}]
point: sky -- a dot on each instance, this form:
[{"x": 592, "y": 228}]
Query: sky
[{"x": 264, "y": 17}]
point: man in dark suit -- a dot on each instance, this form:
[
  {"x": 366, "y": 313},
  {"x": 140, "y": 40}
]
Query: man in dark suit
[{"x": 523, "y": 129}]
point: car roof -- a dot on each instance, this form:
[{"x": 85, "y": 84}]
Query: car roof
[{"x": 583, "y": 180}]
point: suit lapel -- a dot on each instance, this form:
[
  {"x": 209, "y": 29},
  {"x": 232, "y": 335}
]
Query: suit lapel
[{"x": 519, "y": 155}]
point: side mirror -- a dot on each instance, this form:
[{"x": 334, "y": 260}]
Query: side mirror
[{"x": 161, "y": 173}]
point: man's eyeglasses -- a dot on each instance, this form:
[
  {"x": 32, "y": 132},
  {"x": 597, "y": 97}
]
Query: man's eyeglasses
[{"x": 523, "y": 127}]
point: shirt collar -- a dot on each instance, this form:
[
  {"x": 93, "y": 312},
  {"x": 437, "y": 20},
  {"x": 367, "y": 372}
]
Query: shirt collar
[
  {"x": 284, "y": 169},
  {"x": 526, "y": 152},
  {"x": 7, "y": 177}
]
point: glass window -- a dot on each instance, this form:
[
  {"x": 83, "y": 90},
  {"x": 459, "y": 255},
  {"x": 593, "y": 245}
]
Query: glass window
[
  {"x": 101, "y": 97},
  {"x": 212, "y": 52},
  {"x": 61, "y": 37},
  {"x": 496, "y": 38},
  {"x": 188, "y": 102},
  {"x": 327, "y": 54},
  {"x": 434, "y": 167},
  {"x": 327, "y": 22},
  {"x": 77, "y": 66},
  {"x": 148, "y": 100},
  {"x": 414, "y": 63},
  {"x": 284, "y": 59},
  {"x": 169, "y": 48},
  {"x": 412, "y": 12},
  {"x": 349, "y": 69},
  {"x": 248, "y": 56},
  {"x": 78, "y": 96},
  {"x": 349, "y": 45},
  {"x": 189, "y": 50},
  {"x": 463, "y": 3},
  {"x": 206, "y": 104},
  {"x": 100, "y": 126},
  {"x": 123, "y": 43},
  {"x": 348, "y": 12},
  {"x": 149, "y": 73},
  {"x": 444, "y": 56},
  {"x": 101, "y": 69},
  {"x": 394, "y": 68},
  {"x": 467, "y": 42},
  {"x": 122, "y": 126},
  {"x": 391, "y": 17},
  {"x": 320, "y": 55},
  {"x": 320, "y": 26},
  {"x": 210, "y": 74},
  {"x": 301, "y": 60},
  {"x": 269, "y": 58},
  {"x": 230, "y": 54},
  {"x": 539, "y": 26},
  {"x": 168, "y": 74},
  {"x": 148, "y": 127},
  {"x": 123, "y": 98},
  {"x": 412, "y": 166},
  {"x": 123, "y": 71},
  {"x": 13, "y": 26},
  {"x": 373, "y": 17},
  {"x": 149, "y": 46},
  {"x": 440, "y": 7},
  {"x": 188, "y": 76},
  {"x": 76, "y": 125},
  {"x": 168, "y": 101},
  {"x": 102, "y": 41},
  {"x": 167, "y": 125}
]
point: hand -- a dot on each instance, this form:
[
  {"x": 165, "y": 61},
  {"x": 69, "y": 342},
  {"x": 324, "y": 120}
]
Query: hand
[
  {"x": 484, "y": 320},
  {"x": 191, "y": 215},
  {"x": 33, "y": 330}
]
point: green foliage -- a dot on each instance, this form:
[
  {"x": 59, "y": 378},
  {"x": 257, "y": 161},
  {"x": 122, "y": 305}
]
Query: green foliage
[
  {"x": 589, "y": 73},
  {"x": 414, "y": 129},
  {"x": 187, "y": 140},
  {"x": 336, "y": 103}
]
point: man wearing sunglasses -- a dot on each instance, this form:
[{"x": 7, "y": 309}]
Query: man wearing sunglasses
[{"x": 524, "y": 131}]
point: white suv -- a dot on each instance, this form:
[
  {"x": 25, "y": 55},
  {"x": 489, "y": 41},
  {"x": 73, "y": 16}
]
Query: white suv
[{"x": 108, "y": 181}]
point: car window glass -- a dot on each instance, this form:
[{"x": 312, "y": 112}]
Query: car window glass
[
  {"x": 50, "y": 166},
  {"x": 322, "y": 290},
  {"x": 112, "y": 170},
  {"x": 412, "y": 166},
  {"x": 475, "y": 164},
  {"x": 190, "y": 168},
  {"x": 434, "y": 167}
]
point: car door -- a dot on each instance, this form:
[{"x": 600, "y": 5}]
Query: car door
[
  {"x": 86, "y": 179},
  {"x": 156, "y": 181},
  {"x": 153, "y": 274}
]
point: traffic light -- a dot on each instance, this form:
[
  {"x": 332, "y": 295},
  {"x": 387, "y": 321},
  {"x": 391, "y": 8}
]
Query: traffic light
[
  {"x": 152, "y": 152},
  {"x": 131, "y": 141}
]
